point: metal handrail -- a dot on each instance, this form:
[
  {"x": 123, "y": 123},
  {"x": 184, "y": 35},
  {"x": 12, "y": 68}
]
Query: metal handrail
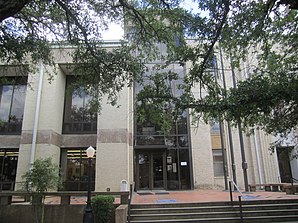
[
  {"x": 231, "y": 182},
  {"x": 293, "y": 179},
  {"x": 231, "y": 191},
  {"x": 240, "y": 209},
  {"x": 129, "y": 202}
]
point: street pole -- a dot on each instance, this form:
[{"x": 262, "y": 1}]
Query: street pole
[{"x": 88, "y": 214}]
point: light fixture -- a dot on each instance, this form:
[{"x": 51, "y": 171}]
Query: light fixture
[{"x": 90, "y": 152}]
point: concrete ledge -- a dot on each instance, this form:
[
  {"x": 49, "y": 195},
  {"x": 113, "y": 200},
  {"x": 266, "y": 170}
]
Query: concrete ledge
[
  {"x": 268, "y": 187},
  {"x": 6, "y": 196},
  {"x": 121, "y": 213},
  {"x": 53, "y": 213}
]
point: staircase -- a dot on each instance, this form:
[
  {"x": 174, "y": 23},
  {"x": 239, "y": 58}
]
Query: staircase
[{"x": 253, "y": 211}]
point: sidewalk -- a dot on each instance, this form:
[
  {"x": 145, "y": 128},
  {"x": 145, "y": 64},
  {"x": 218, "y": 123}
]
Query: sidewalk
[
  {"x": 149, "y": 197},
  {"x": 190, "y": 196}
]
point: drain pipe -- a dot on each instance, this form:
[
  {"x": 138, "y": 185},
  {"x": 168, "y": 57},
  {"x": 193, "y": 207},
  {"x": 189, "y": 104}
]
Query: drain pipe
[
  {"x": 257, "y": 147},
  {"x": 36, "y": 116}
]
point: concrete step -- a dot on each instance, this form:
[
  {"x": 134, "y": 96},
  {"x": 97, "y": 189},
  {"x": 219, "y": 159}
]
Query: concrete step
[
  {"x": 212, "y": 215},
  {"x": 218, "y": 203},
  {"x": 263, "y": 211},
  {"x": 196, "y": 209},
  {"x": 280, "y": 219},
  {"x": 186, "y": 215}
]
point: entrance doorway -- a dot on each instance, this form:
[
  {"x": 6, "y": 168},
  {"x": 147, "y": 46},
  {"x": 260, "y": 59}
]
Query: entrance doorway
[{"x": 150, "y": 170}]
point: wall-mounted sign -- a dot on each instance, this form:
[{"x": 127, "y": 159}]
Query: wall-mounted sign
[
  {"x": 174, "y": 168},
  {"x": 183, "y": 163},
  {"x": 169, "y": 159}
]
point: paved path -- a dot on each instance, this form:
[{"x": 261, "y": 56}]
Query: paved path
[
  {"x": 204, "y": 196},
  {"x": 191, "y": 196}
]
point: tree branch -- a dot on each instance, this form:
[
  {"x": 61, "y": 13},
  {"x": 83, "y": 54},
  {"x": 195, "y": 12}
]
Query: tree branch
[
  {"x": 217, "y": 35},
  {"x": 9, "y": 8}
]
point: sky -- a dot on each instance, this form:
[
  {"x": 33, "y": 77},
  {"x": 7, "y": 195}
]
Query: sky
[{"x": 116, "y": 32}]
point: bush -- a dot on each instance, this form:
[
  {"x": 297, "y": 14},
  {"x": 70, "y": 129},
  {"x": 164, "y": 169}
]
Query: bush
[
  {"x": 103, "y": 208},
  {"x": 43, "y": 176}
]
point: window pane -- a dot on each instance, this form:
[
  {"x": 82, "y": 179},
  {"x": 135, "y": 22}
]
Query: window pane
[
  {"x": 215, "y": 128},
  {"x": 184, "y": 169},
  {"x": 218, "y": 163},
  {"x": 6, "y": 96},
  {"x": 8, "y": 167},
  {"x": 12, "y": 101},
  {"x": 78, "y": 117},
  {"x": 218, "y": 169},
  {"x": 182, "y": 124},
  {"x": 18, "y": 103},
  {"x": 75, "y": 171}
]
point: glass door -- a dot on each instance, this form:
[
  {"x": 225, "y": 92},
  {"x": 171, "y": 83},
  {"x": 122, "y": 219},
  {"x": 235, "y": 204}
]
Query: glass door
[
  {"x": 143, "y": 171},
  {"x": 158, "y": 171},
  {"x": 150, "y": 170}
]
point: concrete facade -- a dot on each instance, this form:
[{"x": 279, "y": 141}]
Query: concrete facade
[{"x": 115, "y": 136}]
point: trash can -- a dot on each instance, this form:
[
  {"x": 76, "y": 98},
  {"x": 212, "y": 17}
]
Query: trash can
[{"x": 123, "y": 185}]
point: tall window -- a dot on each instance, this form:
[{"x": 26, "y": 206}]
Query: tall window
[
  {"x": 78, "y": 116},
  {"x": 149, "y": 131},
  {"x": 74, "y": 165},
  {"x": 12, "y": 101},
  {"x": 218, "y": 161},
  {"x": 167, "y": 143}
]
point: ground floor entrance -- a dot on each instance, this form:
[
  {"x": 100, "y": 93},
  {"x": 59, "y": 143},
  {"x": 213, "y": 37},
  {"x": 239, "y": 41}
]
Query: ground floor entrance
[
  {"x": 151, "y": 170},
  {"x": 162, "y": 169}
]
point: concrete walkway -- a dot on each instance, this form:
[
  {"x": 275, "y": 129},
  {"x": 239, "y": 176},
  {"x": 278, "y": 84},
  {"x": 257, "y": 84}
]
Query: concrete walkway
[
  {"x": 151, "y": 197},
  {"x": 190, "y": 196}
]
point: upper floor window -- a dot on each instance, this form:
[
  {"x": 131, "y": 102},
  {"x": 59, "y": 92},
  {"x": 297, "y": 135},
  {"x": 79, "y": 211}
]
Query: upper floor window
[
  {"x": 78, "y": 116},
  {"x": 150, "y": 128},
  {"x": 12, "y": 101}
]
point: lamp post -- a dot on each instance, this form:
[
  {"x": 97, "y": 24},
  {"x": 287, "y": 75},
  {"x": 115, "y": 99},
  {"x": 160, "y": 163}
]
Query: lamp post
[{"x": 88, "y": 214}]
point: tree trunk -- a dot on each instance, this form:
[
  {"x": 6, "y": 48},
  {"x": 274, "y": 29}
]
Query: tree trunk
[{"x": 9, "y": 8}]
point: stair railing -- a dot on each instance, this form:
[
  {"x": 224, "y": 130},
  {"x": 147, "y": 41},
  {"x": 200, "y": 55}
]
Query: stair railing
[
  {"x": 129, "y": 203},
  {"x": 292, "y": 180},
  {"x": 231, "y": 182},
  {"x": 231, "y": 190},
  {"x": 240, "y": 209}
]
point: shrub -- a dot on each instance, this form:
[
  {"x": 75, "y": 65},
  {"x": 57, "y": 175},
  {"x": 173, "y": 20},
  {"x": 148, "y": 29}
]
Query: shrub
[
  {"x": 43, "y": 176},
  {"x": 103, "y": 208}
]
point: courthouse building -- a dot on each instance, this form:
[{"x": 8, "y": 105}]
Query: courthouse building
[{"x": 43, "y": 119}]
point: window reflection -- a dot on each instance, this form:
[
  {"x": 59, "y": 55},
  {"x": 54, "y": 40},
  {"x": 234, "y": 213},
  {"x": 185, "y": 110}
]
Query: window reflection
[
  {"x": 12, "y": 102},
  {"x": 8, "y": 168},
  {"x": 78, "y": 114},
  {"x": 74, "y": 165}
]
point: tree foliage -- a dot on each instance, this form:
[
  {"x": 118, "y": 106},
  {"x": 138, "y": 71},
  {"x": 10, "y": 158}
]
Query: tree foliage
[
  {"x": 43, "y": 176},
  {"x": 265, "y": 30}
]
